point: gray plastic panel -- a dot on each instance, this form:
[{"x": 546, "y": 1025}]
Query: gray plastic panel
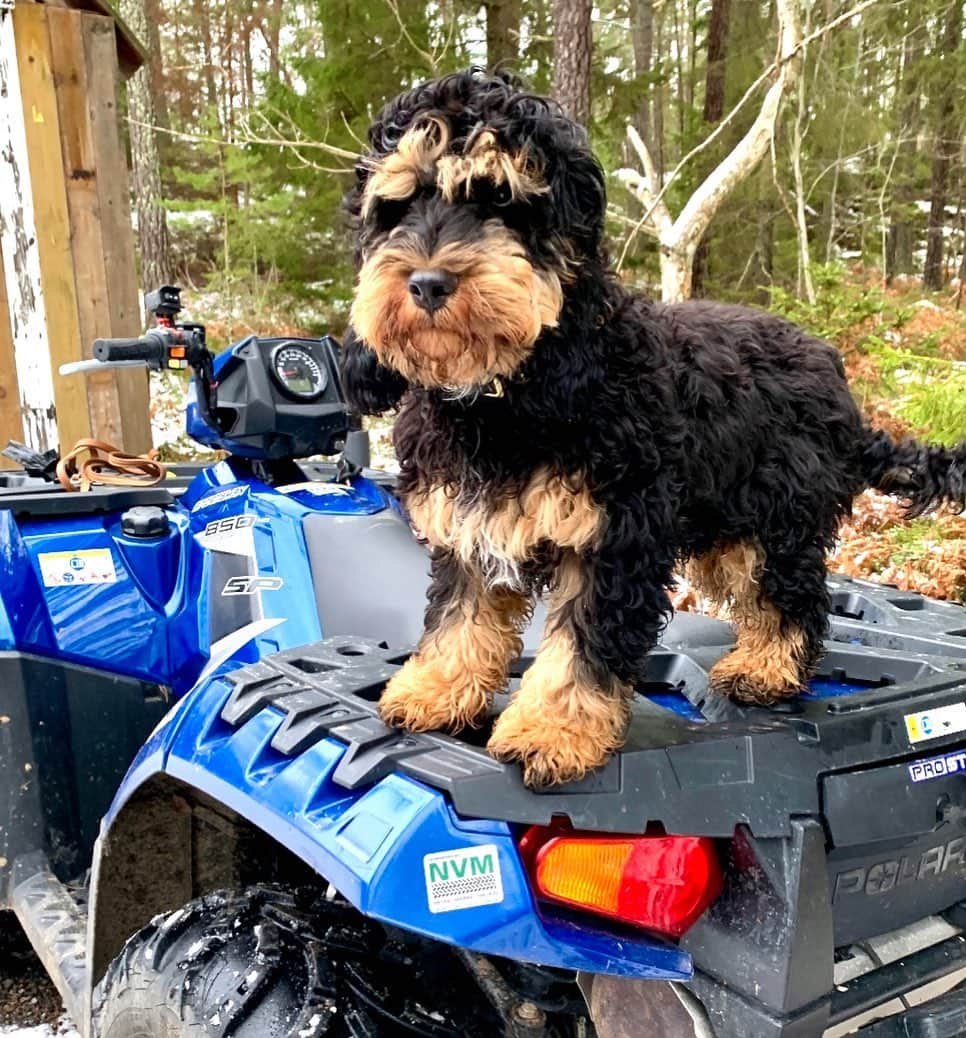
[
  {"x": 881, "y": 616},
  {"x": 371, "y": 576}
]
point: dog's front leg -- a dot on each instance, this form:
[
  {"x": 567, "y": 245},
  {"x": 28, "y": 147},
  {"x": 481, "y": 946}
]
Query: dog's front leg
[
  {"x": 569, "y": 714},
  {"x": 472, "y": 635},
  {"x": 571, "y": 710}
]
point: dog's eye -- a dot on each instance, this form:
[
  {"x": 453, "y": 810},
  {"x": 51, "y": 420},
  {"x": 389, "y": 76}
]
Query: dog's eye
[
  {"x": 484, "y": 191},
  {"x": 389, "y": 211}
]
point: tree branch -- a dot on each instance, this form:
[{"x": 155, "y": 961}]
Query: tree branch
[{"x": 720, "y": 182}]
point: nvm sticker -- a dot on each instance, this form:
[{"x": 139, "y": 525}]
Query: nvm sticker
[
  {"x": 938, "y": 767},
  {"x": 933, "y": 724},
  {"x": 77, "y": 568},
  {"x": 464, "y": 878}
]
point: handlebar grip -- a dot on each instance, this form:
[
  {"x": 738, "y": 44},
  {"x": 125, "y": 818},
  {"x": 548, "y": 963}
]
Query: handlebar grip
[{"x": 149, "y": 350}]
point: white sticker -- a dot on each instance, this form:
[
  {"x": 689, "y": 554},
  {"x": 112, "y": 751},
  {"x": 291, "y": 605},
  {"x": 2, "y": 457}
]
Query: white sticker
[
  {"x": 315, "y": 489},
  {"x": 75, "y": 568},
  {"x": 938, "y": 767},
  {"x": 251, "y": 585},
  {"x": 464, "y": 878},
  {"x": 219, "y": 496},
  {"x": 933, "y": 724},
  {"x": 232, "y": 535}
]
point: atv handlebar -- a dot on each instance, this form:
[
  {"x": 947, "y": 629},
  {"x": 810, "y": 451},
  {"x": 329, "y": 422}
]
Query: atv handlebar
[
  {"x": 167, "y": 346},
  {"x": 151, "y": 350}
]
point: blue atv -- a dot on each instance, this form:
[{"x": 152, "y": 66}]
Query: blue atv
[{"x": 206, "y": 830}]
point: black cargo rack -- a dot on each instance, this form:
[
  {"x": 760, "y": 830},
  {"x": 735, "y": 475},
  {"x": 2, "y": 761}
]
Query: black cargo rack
[{"x": 701, "y": 775}]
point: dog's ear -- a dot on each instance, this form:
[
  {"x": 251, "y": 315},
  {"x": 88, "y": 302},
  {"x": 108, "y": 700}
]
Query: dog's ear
[
  {"x": 369, "y": 387},
  {"x": 578, "y": 196}
]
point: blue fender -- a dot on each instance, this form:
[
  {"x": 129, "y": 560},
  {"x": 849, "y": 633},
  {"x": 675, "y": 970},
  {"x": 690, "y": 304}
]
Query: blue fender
[{"x": 395, "y": 849}]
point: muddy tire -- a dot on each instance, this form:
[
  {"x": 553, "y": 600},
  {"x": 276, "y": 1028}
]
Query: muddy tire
[{"x": 270, "y": 963}]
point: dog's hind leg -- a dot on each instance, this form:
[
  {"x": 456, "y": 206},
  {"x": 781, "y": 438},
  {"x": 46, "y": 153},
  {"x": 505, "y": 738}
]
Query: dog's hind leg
[
  {"x": 779, "y": 604},
  {"x": 471, "y": 636}
]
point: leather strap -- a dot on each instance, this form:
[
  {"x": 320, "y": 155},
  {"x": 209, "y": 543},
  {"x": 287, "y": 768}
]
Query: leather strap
[{"x": 96, "y": 463}]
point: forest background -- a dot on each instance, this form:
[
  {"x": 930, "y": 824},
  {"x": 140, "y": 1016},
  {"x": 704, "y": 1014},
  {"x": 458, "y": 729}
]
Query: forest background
[{"x": 802, "y": 155}]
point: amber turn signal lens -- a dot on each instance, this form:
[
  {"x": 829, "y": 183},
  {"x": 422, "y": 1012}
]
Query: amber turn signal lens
[{"x": 661, "y": 883}]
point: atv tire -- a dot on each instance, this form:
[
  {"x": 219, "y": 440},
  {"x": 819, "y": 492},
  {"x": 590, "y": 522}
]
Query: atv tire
[{"x": 272, "y": 963}]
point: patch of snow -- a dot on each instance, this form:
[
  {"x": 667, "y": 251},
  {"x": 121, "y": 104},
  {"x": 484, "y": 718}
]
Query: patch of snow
[{"x": 64, "y": 1029}]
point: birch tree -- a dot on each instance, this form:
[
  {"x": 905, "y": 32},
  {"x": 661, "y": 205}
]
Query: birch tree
[{"x": 680, "y": 236}]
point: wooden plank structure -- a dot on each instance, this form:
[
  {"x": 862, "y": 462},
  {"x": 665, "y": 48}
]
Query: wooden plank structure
[{"x": 66, "y": 243}]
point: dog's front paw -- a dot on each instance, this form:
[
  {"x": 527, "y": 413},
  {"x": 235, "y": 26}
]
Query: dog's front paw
[
  {"x": 554, "y": 749},
  {"x": 426, "y": 696},
  {"x": 736, "y": 679}
]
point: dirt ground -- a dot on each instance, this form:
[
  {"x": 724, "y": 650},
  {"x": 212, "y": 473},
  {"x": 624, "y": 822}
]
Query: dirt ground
[{"x": 29, "y": 1004}]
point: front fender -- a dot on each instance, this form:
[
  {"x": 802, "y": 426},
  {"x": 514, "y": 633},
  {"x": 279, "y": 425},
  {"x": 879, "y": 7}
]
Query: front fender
[{"x": 395, "y": 848}]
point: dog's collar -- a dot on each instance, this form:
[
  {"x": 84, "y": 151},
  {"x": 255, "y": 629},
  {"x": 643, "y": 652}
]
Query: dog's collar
[{"x": 495, "y": 389}]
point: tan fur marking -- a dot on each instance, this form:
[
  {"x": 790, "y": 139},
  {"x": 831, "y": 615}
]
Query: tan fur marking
[
  {"x": 767, "y": 660},
  {"x": 550, "y": 510},
  {"x": 398, "y": 174},
  {"x": 421, "y": 157},
  {"x": 559, "y": 724},
  {"x": 485, "y": 159},
  {"x": 450, "y": 681},
  {"x": 488, "y": 326}
]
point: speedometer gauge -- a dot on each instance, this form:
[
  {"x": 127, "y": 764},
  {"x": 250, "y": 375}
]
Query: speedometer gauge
[{"x": 297, "y": 372}]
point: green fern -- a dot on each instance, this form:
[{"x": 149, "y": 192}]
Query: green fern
[{"x": 929, "y": 392}]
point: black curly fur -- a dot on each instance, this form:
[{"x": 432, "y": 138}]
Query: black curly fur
[{"x": 694, "y": 425}]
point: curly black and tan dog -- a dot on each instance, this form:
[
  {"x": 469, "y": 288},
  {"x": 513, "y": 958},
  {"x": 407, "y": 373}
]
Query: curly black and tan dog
[{"x": 558, "y": 433}]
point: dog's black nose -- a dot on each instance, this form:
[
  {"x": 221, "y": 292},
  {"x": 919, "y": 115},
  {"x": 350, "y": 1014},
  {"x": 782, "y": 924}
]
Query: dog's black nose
[{"x": 431, "y": 288}]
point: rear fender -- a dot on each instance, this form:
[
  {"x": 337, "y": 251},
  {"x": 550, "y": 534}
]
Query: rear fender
[{"x": 394, "y": 848}]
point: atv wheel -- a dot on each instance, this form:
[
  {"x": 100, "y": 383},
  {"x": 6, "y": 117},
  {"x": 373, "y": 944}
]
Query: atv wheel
[{"x": 270, "y": 963}]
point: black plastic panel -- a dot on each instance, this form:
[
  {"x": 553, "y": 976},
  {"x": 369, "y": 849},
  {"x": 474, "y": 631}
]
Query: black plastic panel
[
  {"x": 67, "y": 736},
  {"x": 44, "y": 501},
  {"x": 757, "y": 767}
]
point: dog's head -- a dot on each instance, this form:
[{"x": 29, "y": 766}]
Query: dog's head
[{"x": 476, "y": 206}]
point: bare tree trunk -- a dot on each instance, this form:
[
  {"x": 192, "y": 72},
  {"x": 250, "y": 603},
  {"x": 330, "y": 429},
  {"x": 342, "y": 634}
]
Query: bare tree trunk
[
  {"x": 572, "y": 47},
  {"x": 901, "y": 242},
  {"x": 204, "y": 21},
  {"x": 502, "y": 32},
  {"x": 714, "y": 101},
  {"x": 154, "y": 16},
  {"x": 660, "y": 96},
  {"x": 272, "y": 31},
  {"x": 642, "y": 37},
  {"x": 799, "y": 127},
  {"x": 946, "y": 148},
  {"x": 765, "y": 240},
  {"x": 714, "y": 84},
  {"x": 679, "y": 237},
  {"x": 154, "y": 243}
]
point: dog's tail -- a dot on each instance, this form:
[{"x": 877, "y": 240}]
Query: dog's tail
[{"x": 926, "y": 475}]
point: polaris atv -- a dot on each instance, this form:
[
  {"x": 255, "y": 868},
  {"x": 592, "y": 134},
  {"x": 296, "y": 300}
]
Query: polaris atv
[{"x": 206, "y": 830}]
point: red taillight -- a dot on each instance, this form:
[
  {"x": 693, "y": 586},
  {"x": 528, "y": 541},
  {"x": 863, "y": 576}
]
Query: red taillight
[{"x": 661, "y": 883}]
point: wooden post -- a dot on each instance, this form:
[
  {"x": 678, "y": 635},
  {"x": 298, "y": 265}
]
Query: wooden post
[
  {"x": 51, "y": 218},
  {"x": 83, "y": 52},
  {"x": 21, "y": 254},
  {"x": 11, "y": 426},
  {"x": 114, "y": 197}
]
